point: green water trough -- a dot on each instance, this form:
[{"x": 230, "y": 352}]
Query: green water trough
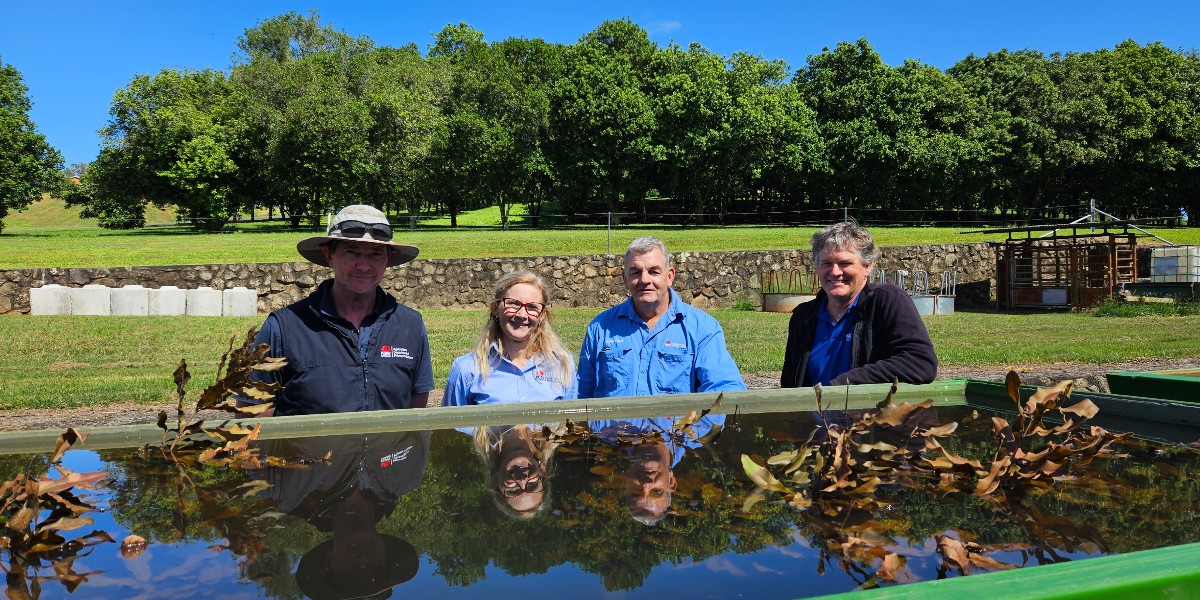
[{"x": 1171, "y": 572}]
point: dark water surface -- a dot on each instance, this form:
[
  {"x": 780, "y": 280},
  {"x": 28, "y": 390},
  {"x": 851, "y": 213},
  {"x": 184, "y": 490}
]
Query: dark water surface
[{"x": 424, "y": 514}]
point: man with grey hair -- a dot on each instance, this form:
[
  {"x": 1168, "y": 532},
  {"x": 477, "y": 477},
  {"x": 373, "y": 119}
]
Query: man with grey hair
[
  {"x": 855, "y": 331},
  {"x": 654, "y": 343}
]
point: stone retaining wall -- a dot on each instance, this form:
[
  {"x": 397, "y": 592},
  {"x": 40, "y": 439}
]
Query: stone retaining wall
[{"x": 705, "y": 279}]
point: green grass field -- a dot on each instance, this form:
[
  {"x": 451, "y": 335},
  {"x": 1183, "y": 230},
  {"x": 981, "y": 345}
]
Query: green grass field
[
  {"x": 47, "y": 235},
  {"x": 82, "y": 361}
]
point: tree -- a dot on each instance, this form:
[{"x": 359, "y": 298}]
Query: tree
[
  {"x": 1149, "y": 91},
  {"x": 304, "y": 120},
  {"x": 774, "y": 146},
  {"x": 942, "y": 144},
  {"x": 103, "y": 196},
  {"x": 533, "y": 66},
  {"x": 1018, "y": 94},
  {"x": 602, "y": 120},
  {"x": 692, "y": 107},
  {"x": 403, "y": 94},
  {"x": 907, "y": 138},
  {"x": 28, "y": 164},
  {"x": 489, "y": 149},
  {"x": 464, "y": 148},
  {"x": 853, "y": 94},
  {"x": 293, "y": 36},
  {"x": 170, "y": 141}
]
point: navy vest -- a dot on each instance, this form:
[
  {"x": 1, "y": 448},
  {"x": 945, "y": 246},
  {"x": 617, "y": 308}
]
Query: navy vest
[{"x": 325, "y": 373}]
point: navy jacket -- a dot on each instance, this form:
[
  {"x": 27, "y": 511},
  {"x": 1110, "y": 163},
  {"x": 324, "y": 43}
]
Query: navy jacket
[
  {"x": 325, "y": 371},
  {"x": 889, "y": 340}
]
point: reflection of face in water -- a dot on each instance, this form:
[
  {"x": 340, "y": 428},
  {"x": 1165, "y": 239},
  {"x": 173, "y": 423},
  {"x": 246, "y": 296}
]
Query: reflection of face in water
[
  {"x": 522, "y": 479},
  {"x": 653, "y": 446},
  {"x": 518, "y": 460},
  {"x": 649, "y": 482},
  {"x": 359, "y": 552}
]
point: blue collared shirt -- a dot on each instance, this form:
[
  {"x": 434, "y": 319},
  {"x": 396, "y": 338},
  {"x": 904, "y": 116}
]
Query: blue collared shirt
[
  {"x": 830, "y": 354},
  {"x": 684, "y": 353},
  {"x": 506, "y": 382},
  {"x": 615, "y": 430}
]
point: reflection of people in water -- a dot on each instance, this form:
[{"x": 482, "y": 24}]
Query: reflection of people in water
[
  {"x": 654, "y": 447},
  {"x": 520, "y": 460},
  {"x": 347, "y": 495}
]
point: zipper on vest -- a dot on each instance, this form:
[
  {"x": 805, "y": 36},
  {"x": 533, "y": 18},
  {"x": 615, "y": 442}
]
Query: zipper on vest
[{"x": 365, "y": 392}]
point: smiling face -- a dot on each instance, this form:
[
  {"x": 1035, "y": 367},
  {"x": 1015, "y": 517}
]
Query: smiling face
[
  {"x": 842, "y": 275},
  {"x": 518, "y": 323},
  {"x": 649, "y": 279},
  {"x": 357, "y": 266},
  {"x": 522, "y": 481}
]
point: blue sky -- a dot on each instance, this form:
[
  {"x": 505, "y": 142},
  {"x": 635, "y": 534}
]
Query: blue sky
[{"x": 74, "y": 54}]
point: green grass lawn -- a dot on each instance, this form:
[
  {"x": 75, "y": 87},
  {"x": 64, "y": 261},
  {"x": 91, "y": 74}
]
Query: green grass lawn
[
  {"x": 35, "y": 238},
  {"x": 81, "y": 361}
]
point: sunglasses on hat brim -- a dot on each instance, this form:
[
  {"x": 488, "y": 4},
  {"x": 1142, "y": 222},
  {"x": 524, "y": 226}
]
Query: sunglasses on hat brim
[{"x": 356, "y": 229}]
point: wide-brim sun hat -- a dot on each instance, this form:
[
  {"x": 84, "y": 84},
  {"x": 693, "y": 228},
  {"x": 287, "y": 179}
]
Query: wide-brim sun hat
[
  {"x": 356, "y": 223},
  {"x": 315, "y": 580}
]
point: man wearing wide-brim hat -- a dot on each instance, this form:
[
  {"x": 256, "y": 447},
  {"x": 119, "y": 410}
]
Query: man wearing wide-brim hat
[{"x": 350, "y": 346}]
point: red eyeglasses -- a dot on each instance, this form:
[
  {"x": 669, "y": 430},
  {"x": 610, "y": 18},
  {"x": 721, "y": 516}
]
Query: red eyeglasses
[{"x": 513, "y": 306}]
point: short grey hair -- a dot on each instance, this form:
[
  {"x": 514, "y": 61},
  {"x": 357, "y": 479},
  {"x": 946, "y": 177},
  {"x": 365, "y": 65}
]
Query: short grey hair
[
  {"x": 644, "y": 244},
  {"x": 847, "y": 235}
]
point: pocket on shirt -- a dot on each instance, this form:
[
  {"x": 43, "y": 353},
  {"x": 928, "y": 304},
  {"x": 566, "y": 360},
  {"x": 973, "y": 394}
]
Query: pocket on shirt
[
  {"x": 674, "y": 372},
  {"x": 614, "y": 371}
]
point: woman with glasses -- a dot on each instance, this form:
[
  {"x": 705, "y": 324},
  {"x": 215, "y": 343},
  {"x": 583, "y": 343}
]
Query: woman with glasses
[{"x": 518, "y": 357}]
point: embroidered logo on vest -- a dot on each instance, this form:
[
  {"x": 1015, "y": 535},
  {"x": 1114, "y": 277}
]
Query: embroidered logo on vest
[
  {"x": 386, "y": 461},
  {"x": 386, "y": 351}
]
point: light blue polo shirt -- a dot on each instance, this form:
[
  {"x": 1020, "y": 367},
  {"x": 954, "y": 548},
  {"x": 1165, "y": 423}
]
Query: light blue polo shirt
[
  {"x": 506, "y": 382},
  {"x": 831, "y": 348}
]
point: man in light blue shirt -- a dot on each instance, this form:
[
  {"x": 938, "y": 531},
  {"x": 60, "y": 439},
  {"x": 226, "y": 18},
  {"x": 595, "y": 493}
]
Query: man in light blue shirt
[{"x": 653, "y": 343}]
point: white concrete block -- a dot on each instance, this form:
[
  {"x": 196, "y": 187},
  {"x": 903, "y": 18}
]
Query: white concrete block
[
  {"x": 167, "y": 301},
  {"x": 50, "y": 299},
  {"x": 239, "y": 302},
  {"x": 91, "y": 299},
  {"x": 130, "y": 301},
  {"x": 204, "y": 302}
]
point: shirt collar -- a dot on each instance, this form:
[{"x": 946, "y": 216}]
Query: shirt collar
[
  {"x": 325, "y": 301},
  {"x": 823, "y": 313},
  {"x": 626, "y": 310},
  {"x": 494, "y": 352}
]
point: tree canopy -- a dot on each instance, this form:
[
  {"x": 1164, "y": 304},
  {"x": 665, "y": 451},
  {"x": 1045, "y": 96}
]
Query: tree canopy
[
  {"x": 308, "y": 118},
  {"x": 28, "y": 164}
]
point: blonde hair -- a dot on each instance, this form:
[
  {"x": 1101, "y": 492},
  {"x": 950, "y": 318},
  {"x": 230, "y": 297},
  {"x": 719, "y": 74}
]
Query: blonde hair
[{"x": 542, "y": 341}]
